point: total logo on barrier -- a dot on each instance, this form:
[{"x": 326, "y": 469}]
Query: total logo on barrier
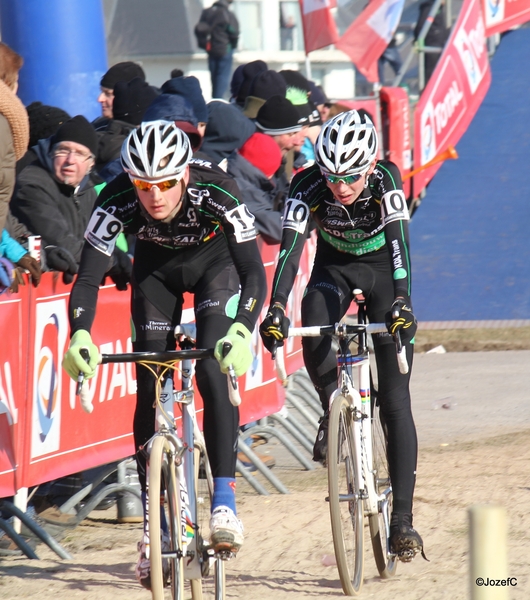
[
  {"x": 471, "y": 47},
  {"x": 494, "y": 12},
  {"x": 51, "y": 332}
]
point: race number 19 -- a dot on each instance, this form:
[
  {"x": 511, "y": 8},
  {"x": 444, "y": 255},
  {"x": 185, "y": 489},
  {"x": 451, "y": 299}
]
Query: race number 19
[{"x": 103, "y": 230}]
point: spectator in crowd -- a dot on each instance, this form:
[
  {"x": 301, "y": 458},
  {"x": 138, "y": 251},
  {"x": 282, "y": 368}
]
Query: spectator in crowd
[
  {"x": 176, "y": 73},
  {"x": 14, "y": 138},
  {"x": 279, "y": 119},
  {"x": 190, "y": 89},
  {"x": 54, "y": 198},
  {"x": 242, "y": 78},
  {"x": 131, "y": 100},
  {"x": 264, "y": 85},
  {"x": 436, "y": 36},
  {"x": 227, "y": 130},
  {"x": 253, "y": 167},
  {"x": 14, "y": 126},
  {"x": 391, "y": 56},
  {"x": 217, "y": 32},
  {"x": 123, "y": 71},
  {"x": 320, "y": 100},
  {"x": 44, "y": 121}
]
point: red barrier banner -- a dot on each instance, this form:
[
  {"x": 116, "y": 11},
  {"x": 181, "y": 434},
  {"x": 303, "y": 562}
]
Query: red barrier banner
[
  {"x": 501, "y": 15},
  {"x": 455, "y": 91},
  {"x": 44, "y": 433},
  {"x": 12, "y": 391}
]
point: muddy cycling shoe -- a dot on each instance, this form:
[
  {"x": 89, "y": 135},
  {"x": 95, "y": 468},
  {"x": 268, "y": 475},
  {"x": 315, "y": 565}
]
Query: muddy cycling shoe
[
  {"x": 226, "y": 531},
  {"x": 143, "y": 566},
  {"x": 320, "y": 449},
  {"x": 405, "y": 541}
]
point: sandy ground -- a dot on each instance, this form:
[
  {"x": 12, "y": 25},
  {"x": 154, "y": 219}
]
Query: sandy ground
[{"x": 474, "y": 453}]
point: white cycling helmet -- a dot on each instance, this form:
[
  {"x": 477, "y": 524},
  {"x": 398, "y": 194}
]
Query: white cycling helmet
[
  {"x": 156, "y": 151},
  {"x": 346, "y": 144}
]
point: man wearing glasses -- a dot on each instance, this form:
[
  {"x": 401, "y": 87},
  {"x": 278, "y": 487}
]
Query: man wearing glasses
[
  {"x": 359, "y": 208},
  {"x": 192, "y": 235}
]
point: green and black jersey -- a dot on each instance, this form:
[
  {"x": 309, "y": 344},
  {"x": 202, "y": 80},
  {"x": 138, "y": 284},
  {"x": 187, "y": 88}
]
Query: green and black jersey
[
  {"x": 211, "y": 215},
  {"x": 377, "y": 222}
]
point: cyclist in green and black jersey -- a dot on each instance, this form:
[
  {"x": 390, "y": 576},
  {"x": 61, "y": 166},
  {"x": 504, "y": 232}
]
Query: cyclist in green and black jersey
[
  {"x": 193, "y": 235},
  {"x": 359, "y": 207}
]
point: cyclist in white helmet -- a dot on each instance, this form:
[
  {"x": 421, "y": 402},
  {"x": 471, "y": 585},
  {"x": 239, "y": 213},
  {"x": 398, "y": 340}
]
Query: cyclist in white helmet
[
  {"x": 359, "y": 208},
  {"x": 192, "y": 235}
]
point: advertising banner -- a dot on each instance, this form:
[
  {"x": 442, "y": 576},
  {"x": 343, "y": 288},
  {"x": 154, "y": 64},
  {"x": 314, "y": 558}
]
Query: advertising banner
[
  {"x": 455, "y": 91},
  {"x": 501, "y": 15}
]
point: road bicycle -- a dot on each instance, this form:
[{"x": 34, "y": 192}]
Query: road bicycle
[
  {"x": 179, "y": 476},
  {"x": 358, "y": 480}
]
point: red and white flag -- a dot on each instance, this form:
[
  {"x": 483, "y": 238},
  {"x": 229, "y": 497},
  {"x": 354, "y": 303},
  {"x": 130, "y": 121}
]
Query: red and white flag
[
  {"x": 318, "y": 23},
  {"x": 367, "y": 37}
]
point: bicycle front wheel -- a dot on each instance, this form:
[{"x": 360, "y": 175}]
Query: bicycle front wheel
[
  {"x": 166, "y": 562},
  {"x": 345, "y": 501},
  {"x": 380, "y": 523},
  {"x": 213, "y": 583}
]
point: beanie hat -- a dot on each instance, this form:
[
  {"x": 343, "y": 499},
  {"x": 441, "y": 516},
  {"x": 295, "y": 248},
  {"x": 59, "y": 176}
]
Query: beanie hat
[
  {"x": 278, "y": 116},
  {"x": 295, "y": 79},
  {"x": 263, "y": 152},
  {"x": 318, "y": 96},
  {"x": 79, "y": 130},
  {"x": 189, "y": 88},
  {"x": 236, "y": 81},
  {"x": 266, "y": 84},
  {"x": 124, "y": 71},
  {"x": 131, "y": 99},
  {"x": 306, "y": 109},
  {"x": 44, "y": 121},
  {"x": 170, "y": 107},
  {"x": 249, "y": 71}
]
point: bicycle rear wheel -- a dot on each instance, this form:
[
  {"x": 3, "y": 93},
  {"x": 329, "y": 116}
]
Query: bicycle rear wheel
[
  {"x": 379, "y": 524},
  {"x": 345, "y": 502},
  {"x": 163, "y": 488},
  {"x": 213, "y": 583}
]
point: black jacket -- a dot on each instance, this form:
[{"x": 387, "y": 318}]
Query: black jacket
[
  {"x": 217, "y": 30},
  {"x": 57, "y": 212}
]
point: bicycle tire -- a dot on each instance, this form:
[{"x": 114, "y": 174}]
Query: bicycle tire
[
  {"x": 205, "y": 588},
  {"x": 163, "y": 483},
  {"x": 386, "y": 562},
  {"x": 345, "y": 501}
]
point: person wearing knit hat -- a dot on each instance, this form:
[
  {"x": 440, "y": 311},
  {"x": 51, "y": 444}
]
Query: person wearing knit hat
[
  {"x": 174, "y": 107},
  {"x": 263, "y": 153},
  {"x": 190, "y": 89},
  {"x": 131, "y": 99},
  {"x": 248, "y": 72},
  {"x": 320, "y": 100},
  {"x": 124, "y": 71},
  {"x": 280, "y": 119},
  {"x": 253, "y": 167},
  {"x": 263, "y": 86},
  {"x": 295, "y": 79}
]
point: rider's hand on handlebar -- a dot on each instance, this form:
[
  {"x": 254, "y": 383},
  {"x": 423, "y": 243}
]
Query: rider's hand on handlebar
[
  {"x": 401, "y": 318},
  {"x": 275, "y": 327},
  {"x": 74, "y": 363},
  {"x": 240, "y": 355}
]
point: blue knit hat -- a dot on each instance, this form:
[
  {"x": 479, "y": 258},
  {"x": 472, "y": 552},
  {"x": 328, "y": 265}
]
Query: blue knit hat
[
  {"x": 171, "y": 107},
  {"x": 190, "y": 89}
]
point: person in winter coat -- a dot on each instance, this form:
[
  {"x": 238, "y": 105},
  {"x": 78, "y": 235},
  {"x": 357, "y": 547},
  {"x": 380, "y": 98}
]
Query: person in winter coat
[
  {"x": 54, "y": 198},
  {"x": 14, "y": 126},
  {"x": 253, "y": 167}
]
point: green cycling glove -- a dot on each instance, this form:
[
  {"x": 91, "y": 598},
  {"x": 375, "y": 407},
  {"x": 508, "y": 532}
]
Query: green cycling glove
[
  {"x": 240, "y": 355},
  {"x": 74, "y": 363}
]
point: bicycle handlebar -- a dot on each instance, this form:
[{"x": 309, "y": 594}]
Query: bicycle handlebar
[{"x": 338, "y": 329}]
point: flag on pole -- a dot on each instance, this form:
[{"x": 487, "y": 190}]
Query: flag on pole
[
  {"x": 318, "y": 24},
  {"x": 367, "y": 37}
]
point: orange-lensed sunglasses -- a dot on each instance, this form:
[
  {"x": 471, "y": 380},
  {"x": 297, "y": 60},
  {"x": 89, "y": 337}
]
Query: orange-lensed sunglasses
[{"x": 145, "y": 186}]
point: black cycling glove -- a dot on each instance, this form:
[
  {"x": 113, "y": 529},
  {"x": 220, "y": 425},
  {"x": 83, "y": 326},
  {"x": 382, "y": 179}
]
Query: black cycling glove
[{"x": 274, "y": 328}]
